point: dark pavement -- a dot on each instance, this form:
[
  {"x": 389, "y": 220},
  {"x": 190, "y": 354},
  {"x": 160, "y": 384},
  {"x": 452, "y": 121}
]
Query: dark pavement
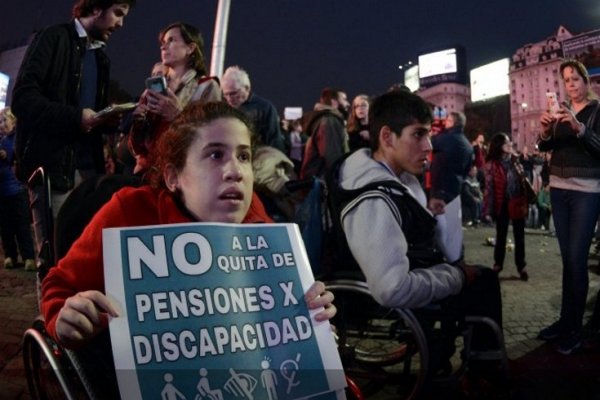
[
  {"x": 18, "y": 308},
  {"x": 537, "y": 370}
]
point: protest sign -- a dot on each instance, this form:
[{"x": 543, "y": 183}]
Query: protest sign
[{"x": 216, "y": 311}]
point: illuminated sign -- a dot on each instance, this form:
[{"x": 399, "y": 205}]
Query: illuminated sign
[
  {"x": 490, "y": 80},
  {"x": 4, "y": 79},
  {"x": 411, "y": 78},
  {"x": 438, "y": 63},
  {"x": 442, "y": 66}
]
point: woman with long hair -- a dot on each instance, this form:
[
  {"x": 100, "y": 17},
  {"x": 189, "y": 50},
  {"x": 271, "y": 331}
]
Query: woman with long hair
[
  {"x": 572, "y": 133},
  {"x": 358, "y": 123},
  {"x": 504, "y": 201},
  {"x": 203, "y": 173}
]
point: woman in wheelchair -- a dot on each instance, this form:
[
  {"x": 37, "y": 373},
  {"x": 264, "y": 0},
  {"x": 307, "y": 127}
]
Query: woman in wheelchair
[{"x": 203, "y": 173}]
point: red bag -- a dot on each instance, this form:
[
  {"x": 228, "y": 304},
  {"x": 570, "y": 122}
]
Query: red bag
[{"x": 518, "y": 207}]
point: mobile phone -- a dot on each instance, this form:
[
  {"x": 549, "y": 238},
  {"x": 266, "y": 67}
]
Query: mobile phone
[
  {"x": 157, "y": 84},
  {"x": 553, "y": 106}
]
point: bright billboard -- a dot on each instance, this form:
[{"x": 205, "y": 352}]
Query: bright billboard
[
  {"x": 411, "y": 78},
  {"x": 4, "y": 79},
  {"x": 490, "y": 80},
  {"x": 442, "y": 66}
]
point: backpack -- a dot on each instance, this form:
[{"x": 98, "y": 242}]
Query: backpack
[{"x": 416, "y": 223}]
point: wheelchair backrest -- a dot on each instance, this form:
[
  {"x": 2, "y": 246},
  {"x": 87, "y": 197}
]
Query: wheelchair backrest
[{"x": 40, "y": 206}]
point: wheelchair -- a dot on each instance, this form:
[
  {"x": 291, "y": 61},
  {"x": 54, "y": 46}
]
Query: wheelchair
[
  {"x": 380, "y": 346},
  {"x": 52, "y": 371}
]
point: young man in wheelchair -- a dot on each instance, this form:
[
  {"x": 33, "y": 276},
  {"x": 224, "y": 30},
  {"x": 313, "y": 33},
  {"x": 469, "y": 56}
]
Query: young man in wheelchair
[{"x": 387, "y": 233}]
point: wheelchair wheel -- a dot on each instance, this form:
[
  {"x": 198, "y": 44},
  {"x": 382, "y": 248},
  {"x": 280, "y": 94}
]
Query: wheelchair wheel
[
  {"x": 378, "y": 346},
  {"x": 49, "y": 374}
]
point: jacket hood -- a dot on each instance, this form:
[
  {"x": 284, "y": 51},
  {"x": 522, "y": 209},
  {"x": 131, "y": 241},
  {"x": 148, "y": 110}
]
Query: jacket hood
[
  {"x": 317, "y": 112},
  {"x": 361, "y": 169}
]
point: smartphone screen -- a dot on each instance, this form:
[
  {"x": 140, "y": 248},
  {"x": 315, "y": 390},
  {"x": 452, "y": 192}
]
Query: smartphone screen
[
  {"x": 553, "y": 106},
  {"x": 157, "y": 84}
]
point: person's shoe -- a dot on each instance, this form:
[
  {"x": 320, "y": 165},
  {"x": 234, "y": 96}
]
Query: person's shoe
[
  {"x": 497, "y": 268},
  {"x": 569, "y": 345},
  {"x": 9, "y": 263},
  {"x": 30, "y": 265},
  {"x": 523, "y": 275},
  {"x": 550, "y": 332}
]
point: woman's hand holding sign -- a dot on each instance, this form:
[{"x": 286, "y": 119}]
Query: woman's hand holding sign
[{"x": 83, "y": 317}]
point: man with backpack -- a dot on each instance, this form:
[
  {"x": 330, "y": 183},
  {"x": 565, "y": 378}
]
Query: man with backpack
[{"x": 328, "y": 139}]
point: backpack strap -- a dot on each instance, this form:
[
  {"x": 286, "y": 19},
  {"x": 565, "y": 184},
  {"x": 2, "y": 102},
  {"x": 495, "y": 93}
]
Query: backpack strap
[
  {"x": 418, "y": 226},
  {"x": 208, "y": 78}
]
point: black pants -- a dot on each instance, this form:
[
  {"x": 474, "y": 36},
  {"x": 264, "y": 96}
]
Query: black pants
[
  {"x": 481, "y": 298},
  {"x": 15, "y": 224},
  {"x": 502, "y": 232}
]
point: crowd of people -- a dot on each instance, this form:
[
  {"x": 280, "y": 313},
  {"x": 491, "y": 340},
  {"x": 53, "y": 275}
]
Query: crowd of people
[{"x": 404, "y": 237}]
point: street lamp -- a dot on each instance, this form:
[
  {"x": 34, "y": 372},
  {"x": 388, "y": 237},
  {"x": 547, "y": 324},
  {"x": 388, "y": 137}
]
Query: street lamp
[
  {"x": 525, "y": 135},
  {"x": 405, "y": 65}
]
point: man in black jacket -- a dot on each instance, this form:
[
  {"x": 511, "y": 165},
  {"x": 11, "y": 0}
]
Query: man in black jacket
[{"x": 63, "y": 78}]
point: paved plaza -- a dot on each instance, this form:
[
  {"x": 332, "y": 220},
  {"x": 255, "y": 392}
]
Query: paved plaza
[{"x": 538, "y": 372}]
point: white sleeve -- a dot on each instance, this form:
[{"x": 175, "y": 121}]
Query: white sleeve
[{"x": 378, "y": 244}]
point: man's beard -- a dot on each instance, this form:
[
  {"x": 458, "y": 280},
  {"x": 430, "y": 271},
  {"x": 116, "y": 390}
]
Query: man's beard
[
  {"x": 97, "y": 34},
  {"x": 344, "y": 111}
]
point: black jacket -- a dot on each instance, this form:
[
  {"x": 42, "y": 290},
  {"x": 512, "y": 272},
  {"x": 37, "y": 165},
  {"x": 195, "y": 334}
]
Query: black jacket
[
  {"x": 573, "y": 156},
  {"x": 452, "y": 159},
  {"x": 46, "y": 103}
]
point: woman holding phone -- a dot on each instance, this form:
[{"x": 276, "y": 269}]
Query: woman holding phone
[
  {"x": 186, "y": 81},
  {"x": 573, "y": 135}
]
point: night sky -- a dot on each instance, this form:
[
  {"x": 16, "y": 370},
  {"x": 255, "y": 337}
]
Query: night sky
[{"x": 294, "y": 48}]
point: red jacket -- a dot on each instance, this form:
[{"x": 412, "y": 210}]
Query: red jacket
[
  {"x": 82, "y": 268},
  {"x": 495, "y": 188}
]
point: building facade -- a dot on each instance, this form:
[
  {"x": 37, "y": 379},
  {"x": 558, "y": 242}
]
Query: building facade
[{"x": 449, "y": 96}]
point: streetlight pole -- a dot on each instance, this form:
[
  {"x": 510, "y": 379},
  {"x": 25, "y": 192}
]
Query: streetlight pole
[
  {"x": 524, "y": 139},
  {"x": 217, "y": 58}
]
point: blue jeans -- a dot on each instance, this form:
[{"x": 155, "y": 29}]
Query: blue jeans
[{"x": 575, "y": 214}]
